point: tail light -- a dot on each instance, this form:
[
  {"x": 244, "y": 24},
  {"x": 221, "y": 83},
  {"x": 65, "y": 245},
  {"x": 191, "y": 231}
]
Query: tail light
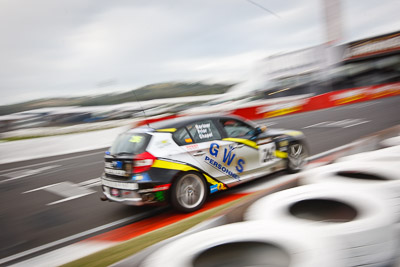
[{"x": 143, "y": 162}]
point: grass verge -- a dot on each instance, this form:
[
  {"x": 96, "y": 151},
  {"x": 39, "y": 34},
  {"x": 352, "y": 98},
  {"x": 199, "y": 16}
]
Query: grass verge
[
  {"x": 121, "y": 251},
  {"x": 18, "y": 138}
]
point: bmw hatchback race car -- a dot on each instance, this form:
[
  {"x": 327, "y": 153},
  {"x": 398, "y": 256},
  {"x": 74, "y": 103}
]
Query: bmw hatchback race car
[{"x": 183, "y": 160}]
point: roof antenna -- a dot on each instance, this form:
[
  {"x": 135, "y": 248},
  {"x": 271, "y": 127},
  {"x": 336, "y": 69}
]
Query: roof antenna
[{"x": 140, "y": 105}]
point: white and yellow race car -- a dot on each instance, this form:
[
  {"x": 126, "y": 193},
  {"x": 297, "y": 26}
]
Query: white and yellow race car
[{"x": 181, "y": 161}]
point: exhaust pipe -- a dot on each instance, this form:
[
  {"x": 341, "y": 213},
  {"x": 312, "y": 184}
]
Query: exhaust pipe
[{"x": 103, "y": 198}]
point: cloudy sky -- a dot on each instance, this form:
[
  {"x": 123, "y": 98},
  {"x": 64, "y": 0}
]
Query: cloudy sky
[{"x": 75, "y": 47}]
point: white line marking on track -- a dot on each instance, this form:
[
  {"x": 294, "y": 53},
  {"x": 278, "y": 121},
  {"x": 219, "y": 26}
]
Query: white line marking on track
[
  {"x": 317, "y": 124},
  {"x": 26, "y": 172},
  {"x": 358, "y": 123},
  {"x": 39, "y": 188},
  {"x": 69, "y": 198},
  {"x": 68, "y": 191},
  {"x": 338, "y": 124},
  {"x": 141, "y": 216},
  {"x": 52, "y": 161},
  {"x": 342, "y": 122},
  {"x": 90, "y": 182}
]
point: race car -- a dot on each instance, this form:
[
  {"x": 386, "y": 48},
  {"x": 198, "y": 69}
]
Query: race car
[{"x": 181, "y": 161}]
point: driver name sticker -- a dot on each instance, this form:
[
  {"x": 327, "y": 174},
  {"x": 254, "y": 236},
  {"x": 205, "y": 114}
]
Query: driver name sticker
[{"x": 204, "y": 130}]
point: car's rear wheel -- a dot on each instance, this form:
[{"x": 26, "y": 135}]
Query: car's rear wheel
[
  {"x": 297, "y": 157},
  {"x": 188, "y": 193}
]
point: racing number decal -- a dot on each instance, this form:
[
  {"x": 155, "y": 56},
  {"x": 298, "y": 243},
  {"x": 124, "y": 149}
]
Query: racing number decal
[
  {"x": 267, "y": 153},
  {"x": 136, "y": 139}
]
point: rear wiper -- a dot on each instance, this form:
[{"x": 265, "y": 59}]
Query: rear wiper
[{"x": 124, "y": 153}]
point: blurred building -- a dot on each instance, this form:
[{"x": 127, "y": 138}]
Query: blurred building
[
  {"x": 369, "y": 61},
  {"x": 325, "y": 68}
]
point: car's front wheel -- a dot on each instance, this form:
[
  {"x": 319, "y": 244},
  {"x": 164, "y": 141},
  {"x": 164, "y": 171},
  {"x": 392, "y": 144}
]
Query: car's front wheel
[
  {"x": 297, "y": 157},
  {"x": 188, "y": 193}
]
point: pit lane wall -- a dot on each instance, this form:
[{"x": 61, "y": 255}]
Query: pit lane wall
[{"x": 328, "y": 100}]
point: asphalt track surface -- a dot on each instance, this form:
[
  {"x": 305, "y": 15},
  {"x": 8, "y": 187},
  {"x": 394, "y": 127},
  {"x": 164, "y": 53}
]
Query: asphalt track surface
[{"x": 45, "y": 200}]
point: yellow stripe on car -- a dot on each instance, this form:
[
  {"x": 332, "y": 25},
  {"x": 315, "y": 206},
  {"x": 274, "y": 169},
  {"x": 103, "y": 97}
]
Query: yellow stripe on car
[
  {"x": 168, "y": 130},
  {"x": 172, "y": 166},
  {"x": 294, "y": 133},
  {"x": 163, "y": 164},
  {"x": 280, "y": 154},
  {"x": 242, "y": 141}
]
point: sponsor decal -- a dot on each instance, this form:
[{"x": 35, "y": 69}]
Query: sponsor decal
[
  {"x": 213, "y": 188},
  {"x": 227, "y": 160},
  {"x": 114, "y": 164},
  {"x": 115, "y": 172},
  {"x": 373, "y": 46},
  {"x": 160, "y": 196},
  {"x": 142, "y": 177},
  {"x": 120, "y": 185},
  {"x": 192, "y": 147},
  {"x": 217, "y": 187},
  {"x": 386, "y": 90},
  {"x": 348, "y": 96},
  {"x": 282, "y": 108}
]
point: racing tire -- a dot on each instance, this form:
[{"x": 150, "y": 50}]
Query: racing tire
[
  {"x": 378, "y": 178},
  {"x": 363, "y": 226},
  {"x": 386, "y": 155},
  {"x": 297, "y": 157},
  {"x": 188, "y": 192},
  {"x": 247, "y": 244}
]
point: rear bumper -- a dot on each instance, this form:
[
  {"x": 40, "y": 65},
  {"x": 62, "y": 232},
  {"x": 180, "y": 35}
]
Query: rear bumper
[
  {"x": 128, "y": 193},
  {"x": 132, "y": 201}
]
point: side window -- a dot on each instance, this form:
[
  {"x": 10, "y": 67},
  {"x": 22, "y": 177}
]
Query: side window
[
  {"x": 182, "y": 137},
  {"x": 203, "y": 131},
  {"x": 236, "y": 128}
]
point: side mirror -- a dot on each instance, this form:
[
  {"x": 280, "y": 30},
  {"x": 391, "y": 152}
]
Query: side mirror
[{"x": 260, "y": 129}]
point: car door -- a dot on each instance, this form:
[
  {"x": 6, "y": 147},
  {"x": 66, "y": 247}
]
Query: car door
[
  {"x": 202, "y": 140},
  {"x": 257, "y": 155}
]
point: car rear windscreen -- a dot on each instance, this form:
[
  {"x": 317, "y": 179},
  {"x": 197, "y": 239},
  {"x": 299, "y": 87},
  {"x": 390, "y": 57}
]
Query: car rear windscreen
[{"x": 130, "y": 143}]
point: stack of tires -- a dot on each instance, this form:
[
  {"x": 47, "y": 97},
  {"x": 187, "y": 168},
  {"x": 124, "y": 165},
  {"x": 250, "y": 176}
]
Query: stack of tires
[
  {"x": 377, "y": 173},
  {"x": 361, "y": 226},
  {"x": 344, "y": 214},
  {"x": 248, "y": 244}
]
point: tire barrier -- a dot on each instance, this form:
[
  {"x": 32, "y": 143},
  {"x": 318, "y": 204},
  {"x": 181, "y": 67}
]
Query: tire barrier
[
  {"x": 363, "y": 225},
  {"x": 388, "y": 156},
  {"x": 377, "y": 174},
  {"x": 393, "y": 141},
  {"x": 248, "y": 244}
]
